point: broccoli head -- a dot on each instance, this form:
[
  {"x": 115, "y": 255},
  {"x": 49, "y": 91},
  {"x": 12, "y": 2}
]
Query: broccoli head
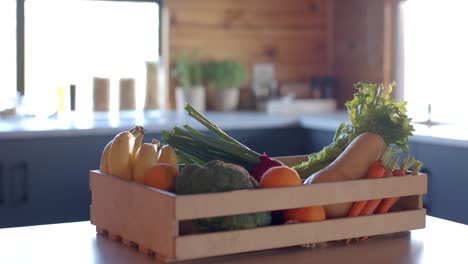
[{"x": 218, "y": 176}]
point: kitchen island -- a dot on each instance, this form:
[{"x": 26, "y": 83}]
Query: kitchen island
[{"x": 441, "y": 241}]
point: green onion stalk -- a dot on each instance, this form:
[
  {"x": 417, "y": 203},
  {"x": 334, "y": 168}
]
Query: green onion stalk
[{"x": 193, "y": 146}]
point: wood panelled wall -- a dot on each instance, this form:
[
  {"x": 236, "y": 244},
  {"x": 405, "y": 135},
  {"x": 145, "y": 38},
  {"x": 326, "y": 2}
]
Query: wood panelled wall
[
  {"x": 303, "y": 38},
  {"x": 359, "y": 44},
  {"x": 295, "y": 35}
]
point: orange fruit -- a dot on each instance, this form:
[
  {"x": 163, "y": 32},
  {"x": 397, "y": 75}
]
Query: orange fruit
[
  {"x": 280, "y": 176},
  {"x": 305, "y": 214},
  {"x": 161, "y": 176}
]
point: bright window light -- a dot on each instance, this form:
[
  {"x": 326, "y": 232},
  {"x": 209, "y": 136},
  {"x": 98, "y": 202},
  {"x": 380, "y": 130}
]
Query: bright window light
[
  {"x": 71, "y": 41},
  {"x": 436, "y": 56},
  {"x": 7, "y": 53}
]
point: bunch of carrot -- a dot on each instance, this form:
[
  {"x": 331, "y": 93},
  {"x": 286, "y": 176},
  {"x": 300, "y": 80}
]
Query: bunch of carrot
[{"x": 386, "y": 166}]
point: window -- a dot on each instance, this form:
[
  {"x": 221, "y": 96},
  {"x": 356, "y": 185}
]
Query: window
[
  {"x": 68, "y": 42},
  {"x": 436, "y": 55},
  {"x": 7, "y": 53}
]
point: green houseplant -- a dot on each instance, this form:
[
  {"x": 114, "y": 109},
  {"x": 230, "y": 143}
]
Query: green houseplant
[
  {"x": 224, "y": 79},
  {"x": 187, "y": 70}
]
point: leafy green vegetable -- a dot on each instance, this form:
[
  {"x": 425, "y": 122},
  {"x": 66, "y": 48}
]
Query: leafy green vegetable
[
  {"x": 417, "y": 167},
  {"x": 193, "y": 146},
  {"x": 372, "y": 109},
  {"x": 218, "y": 176},
  {"x": 214, "y": 176}
]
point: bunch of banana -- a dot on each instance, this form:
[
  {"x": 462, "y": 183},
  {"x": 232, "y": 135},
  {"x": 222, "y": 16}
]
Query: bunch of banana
[
  {"x": 127, "y": 157},
  {"x": 117, "y": 157}
]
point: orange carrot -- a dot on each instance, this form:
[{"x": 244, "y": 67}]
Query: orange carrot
[
  {"x": 408, "y": 161},
  {"x": 375, "y": 170},
  {"x": 400, "y": 172},
  {"x": 372, "y": 205}
]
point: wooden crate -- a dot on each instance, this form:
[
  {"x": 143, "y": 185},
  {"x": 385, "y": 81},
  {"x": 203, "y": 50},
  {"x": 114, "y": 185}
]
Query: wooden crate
[{"x": 148, "y": 218}]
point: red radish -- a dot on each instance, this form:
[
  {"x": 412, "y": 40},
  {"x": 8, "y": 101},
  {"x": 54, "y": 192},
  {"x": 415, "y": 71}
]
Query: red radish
[{"x": 263, "y": 165}]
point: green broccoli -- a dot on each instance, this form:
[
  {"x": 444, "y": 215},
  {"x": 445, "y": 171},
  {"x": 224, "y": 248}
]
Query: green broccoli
[{"x": 218, "y": 176}]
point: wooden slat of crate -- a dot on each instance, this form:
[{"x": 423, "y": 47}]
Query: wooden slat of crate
[
  {"x": 134, "y": 212},
  {"x": 216, "y": 244},
  {"x": 247, "y": 201}
]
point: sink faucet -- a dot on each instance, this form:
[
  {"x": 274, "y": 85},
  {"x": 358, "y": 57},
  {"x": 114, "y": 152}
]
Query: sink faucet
[{"x": 429, "y": 114}]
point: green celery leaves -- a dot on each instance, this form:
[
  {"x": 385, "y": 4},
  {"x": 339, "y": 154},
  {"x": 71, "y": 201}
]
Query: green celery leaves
[{"x": 373, "y": 109}]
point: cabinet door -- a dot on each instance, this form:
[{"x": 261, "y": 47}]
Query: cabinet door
[
  {"x": 15, "y": 202},
  {"x": 57, "y": 178},
  {"x": 317, "y": 139},
  {"x": 448, "y": 180},
  {"x": 60, "y": 171}
]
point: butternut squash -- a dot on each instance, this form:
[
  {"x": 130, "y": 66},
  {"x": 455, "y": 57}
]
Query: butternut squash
[{"x": 351, "y": 164}]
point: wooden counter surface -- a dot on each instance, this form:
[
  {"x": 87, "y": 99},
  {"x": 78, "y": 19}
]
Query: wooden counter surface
[{"x": 440, "y": 242}]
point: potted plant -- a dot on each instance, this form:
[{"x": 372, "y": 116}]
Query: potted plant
[
  {"x": 224, "y": 80},
  {"x": 187, "y": 71}
]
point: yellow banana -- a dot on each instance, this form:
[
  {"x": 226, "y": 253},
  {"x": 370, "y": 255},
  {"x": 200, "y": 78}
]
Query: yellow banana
[
  {"x": 168, "y": 155},
  {"x": 145, "y": 158},
  {"x": 138, "y": 132},
  {"x": 104, "y": 165},
  {"x": 120, "y": 154}
]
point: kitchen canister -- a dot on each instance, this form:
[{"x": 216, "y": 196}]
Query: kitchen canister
[
  {"x": 151, "y": 98},
  {"x": 101, "y": 94},
  {"x": 127, "y": 94}
]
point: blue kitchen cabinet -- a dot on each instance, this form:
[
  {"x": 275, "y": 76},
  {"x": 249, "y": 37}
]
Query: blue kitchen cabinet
[
  {"x": 447, "y": 180},
  {"x": 17, "y": 204},
  {"x": 317, "y": 139},
  {"x": 45, "y": 180},
  {"x": 274, "y": 141},
  {"x": 13, "y": 186}
]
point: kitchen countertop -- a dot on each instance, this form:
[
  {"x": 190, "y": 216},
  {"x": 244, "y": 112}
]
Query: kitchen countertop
[
  {"x": 152, "y": 121},
  {"x": 156, "y": 121},
  {"x": 441, "y": 241}
]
